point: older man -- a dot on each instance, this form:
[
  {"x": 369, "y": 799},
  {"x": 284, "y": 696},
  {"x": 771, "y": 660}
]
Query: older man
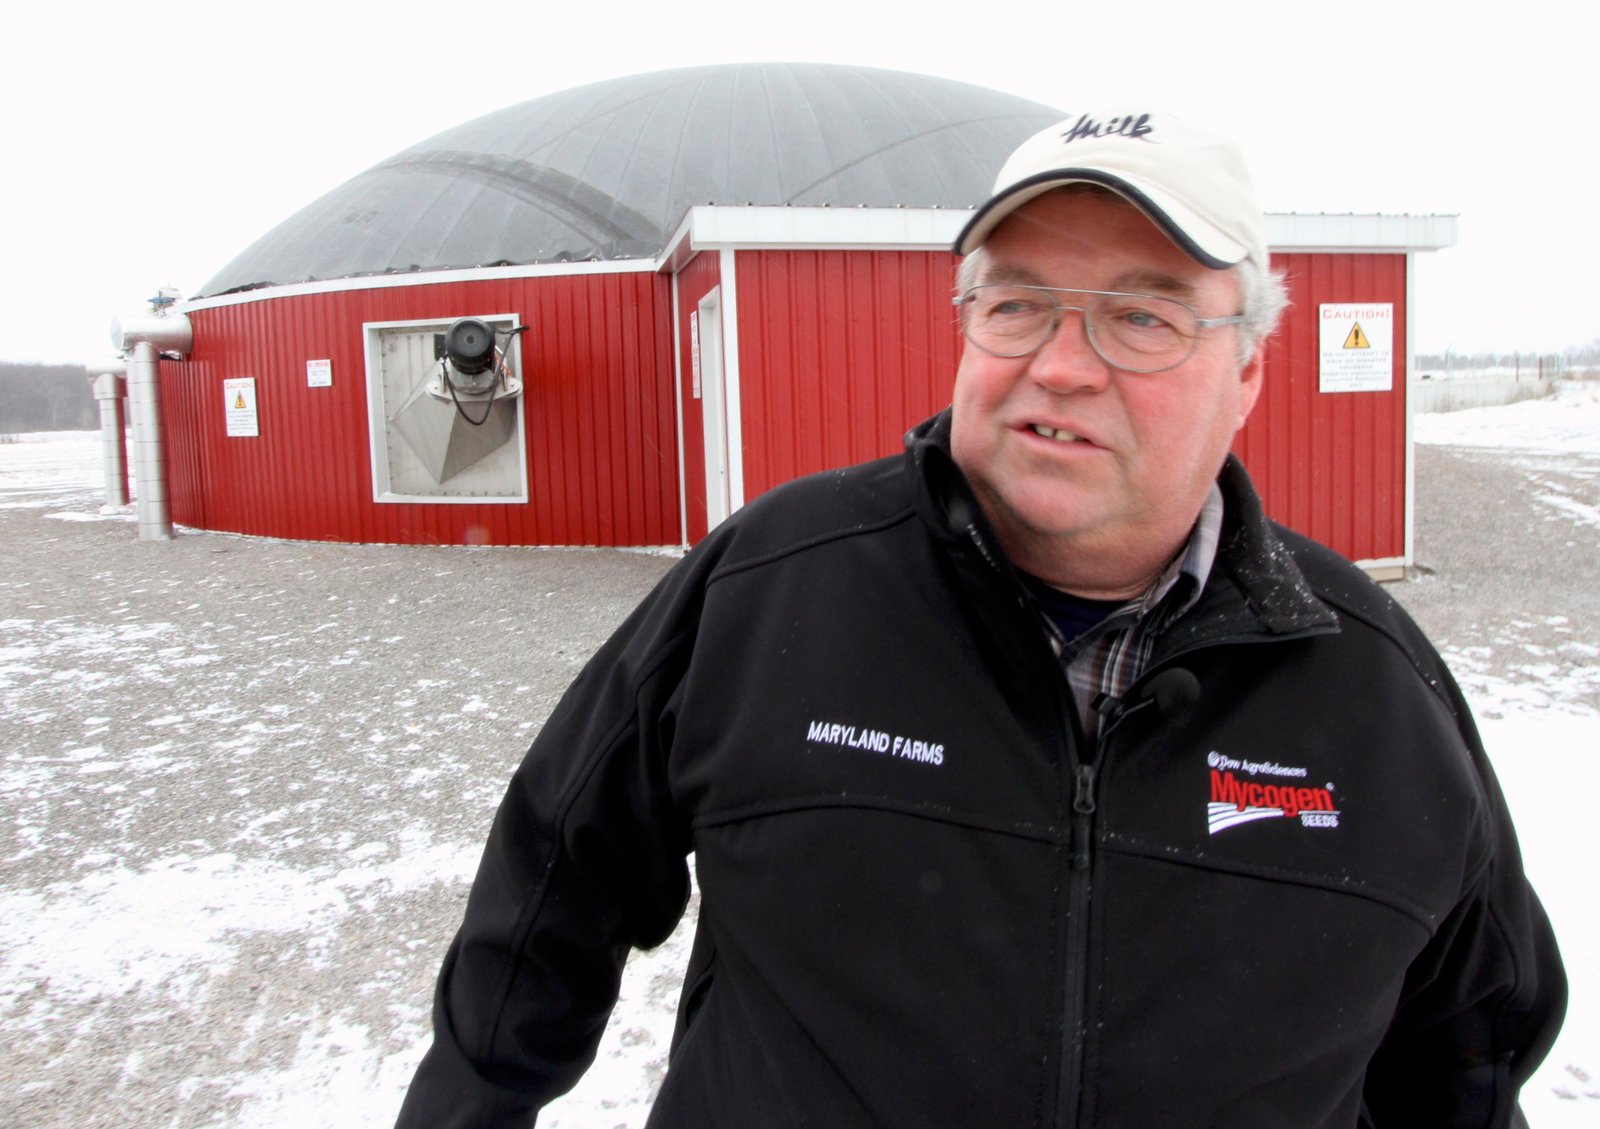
[{"x": 1034, "y": 777}]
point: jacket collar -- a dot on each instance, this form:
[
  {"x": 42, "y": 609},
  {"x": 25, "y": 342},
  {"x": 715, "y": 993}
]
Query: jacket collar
[{"x": 1255, "y": 587}]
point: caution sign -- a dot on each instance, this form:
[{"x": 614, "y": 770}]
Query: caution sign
[
  {"x": 1357, "y": 347},
  {"x": 239, "y": 402}
]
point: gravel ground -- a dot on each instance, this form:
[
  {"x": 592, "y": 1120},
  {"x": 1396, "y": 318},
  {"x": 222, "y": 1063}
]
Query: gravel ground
[
  {"x": 272, "y": 710},
  {"x": 1505, "y": 582},
  {"x": 268, "y": 725}
]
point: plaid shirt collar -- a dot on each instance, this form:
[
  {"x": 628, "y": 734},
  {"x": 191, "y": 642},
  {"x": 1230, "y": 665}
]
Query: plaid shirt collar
[{"x": 1109, "y": 658}]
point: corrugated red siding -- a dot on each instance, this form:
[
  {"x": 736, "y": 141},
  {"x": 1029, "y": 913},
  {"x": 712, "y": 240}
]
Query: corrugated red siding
[
  {"x": 839, "y": 353},
  {"x": 1332, "y": 465},
  {"x": 599, "y": 416}
]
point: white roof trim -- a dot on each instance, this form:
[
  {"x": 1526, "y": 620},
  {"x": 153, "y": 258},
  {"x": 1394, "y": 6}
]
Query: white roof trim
[
  {"x": 1297, "y": 231},
  {"x": 751, "y": 228},
  {"x": 934, "y": 229},
  {"x": 862, "y": 229}
]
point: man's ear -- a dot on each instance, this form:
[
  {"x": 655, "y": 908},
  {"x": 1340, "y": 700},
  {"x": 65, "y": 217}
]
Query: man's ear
[{"x": 1251, "y": 378}]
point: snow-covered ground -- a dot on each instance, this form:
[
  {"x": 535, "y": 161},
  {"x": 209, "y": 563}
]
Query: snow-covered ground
[
  {"x": 1544, "y": 740},
  {"x": 115, "y": 949}
]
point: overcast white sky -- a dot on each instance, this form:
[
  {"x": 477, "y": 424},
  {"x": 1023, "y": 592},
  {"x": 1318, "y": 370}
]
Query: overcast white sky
[{"x": 147, "y": 145}]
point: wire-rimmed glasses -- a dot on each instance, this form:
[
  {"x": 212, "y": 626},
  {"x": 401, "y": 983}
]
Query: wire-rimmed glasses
[{"x": 1131, "y": 332}]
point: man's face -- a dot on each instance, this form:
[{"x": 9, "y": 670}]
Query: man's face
[{"x": 1091, "y": 476}]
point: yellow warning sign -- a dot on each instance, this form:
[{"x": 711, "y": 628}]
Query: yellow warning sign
[
  {"x": 1357, "y": 339},
  {"x": 240, "y": 405}
]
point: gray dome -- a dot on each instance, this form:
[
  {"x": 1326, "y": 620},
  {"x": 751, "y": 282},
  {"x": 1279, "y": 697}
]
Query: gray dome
[{"x": 607, "y": 170}]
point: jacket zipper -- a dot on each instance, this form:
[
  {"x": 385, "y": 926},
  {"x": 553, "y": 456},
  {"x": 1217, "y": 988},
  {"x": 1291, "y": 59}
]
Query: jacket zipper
[
  {"x": 1069, "y": 1087},
  {"x": 1083, "y": 762},
  {"x": 1086, "y": 762},
  {"x": 1082, "y": 815}
]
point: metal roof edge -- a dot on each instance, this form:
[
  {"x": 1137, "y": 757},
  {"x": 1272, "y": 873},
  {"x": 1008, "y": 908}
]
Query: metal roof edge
[
  {"x": 1353, "y": 232},
  {"x": 859, "y": 229},
  {"x": 418, "y": 278},
  {"x": 708, "y": 227}
]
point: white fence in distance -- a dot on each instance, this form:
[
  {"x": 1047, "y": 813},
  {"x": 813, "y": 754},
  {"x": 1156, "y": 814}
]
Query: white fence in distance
[{"x": 1437, "y": 394}]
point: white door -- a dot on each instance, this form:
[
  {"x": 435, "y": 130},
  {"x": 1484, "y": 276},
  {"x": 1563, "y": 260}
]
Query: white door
[{"x": 713, "y": 408}]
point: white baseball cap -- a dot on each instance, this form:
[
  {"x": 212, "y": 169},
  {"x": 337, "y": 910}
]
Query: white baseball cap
[{"x": 1192, "y": 184}]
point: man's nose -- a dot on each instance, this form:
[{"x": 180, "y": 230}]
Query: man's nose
[{"x": 1067, "y": 361}]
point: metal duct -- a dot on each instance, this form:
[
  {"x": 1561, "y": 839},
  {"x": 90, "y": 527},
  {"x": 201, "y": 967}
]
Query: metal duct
[
  {"x": 110, "y": 391},
  {"x": 144, "y": 339}
]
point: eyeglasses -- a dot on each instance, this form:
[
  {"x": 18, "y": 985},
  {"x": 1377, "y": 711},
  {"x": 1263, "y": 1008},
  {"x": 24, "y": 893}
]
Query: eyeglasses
[{"x": 1132, "y": 332}]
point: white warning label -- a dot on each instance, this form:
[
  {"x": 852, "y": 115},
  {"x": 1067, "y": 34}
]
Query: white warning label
[{"x": 1357, "y": 347}]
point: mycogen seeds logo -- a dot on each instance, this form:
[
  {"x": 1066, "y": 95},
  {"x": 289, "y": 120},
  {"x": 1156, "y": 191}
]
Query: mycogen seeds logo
[{"x": 1235, "y": 800}]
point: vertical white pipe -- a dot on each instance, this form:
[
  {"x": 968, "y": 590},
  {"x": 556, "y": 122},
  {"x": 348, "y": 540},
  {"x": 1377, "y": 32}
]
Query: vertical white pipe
[
  {"x": 143, "y": 340},
  {"x": 144, "y": 408},
  {"x": 109, "y": 391}
]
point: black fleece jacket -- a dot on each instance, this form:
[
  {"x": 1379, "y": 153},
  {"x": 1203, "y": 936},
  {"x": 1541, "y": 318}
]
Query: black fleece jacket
[{"x": 1289, "y": 895}]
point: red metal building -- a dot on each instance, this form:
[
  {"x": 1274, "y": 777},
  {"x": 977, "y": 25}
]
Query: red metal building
[{"x": 686, "y": 358}]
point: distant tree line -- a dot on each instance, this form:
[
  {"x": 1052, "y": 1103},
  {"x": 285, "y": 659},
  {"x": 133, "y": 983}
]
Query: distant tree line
[
  {"x": 1529, "y": 364},
  {"x": 36, "y": 397},
  {"x": 1587, "y": 356},
  {"x": 1573, "y": 361}
]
